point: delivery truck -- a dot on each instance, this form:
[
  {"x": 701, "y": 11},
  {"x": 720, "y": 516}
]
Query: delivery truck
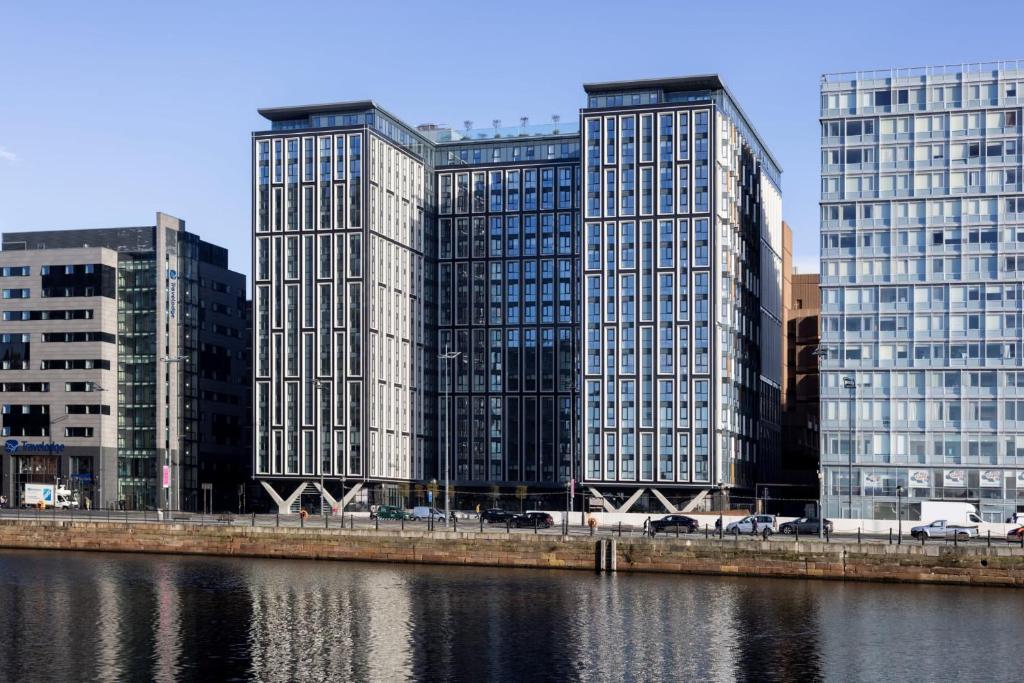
[
  {"x": 48, "y": 495},
  {"x": 964, "y": 514}
]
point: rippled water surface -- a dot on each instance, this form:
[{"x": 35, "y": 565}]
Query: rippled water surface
[{"x": 86, "y": 617}]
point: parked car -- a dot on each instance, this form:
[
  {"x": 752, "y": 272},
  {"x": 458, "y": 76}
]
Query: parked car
[
  {"x": 531, "y": 519},
  {"x": 1014, "y": 535},
  {"x": 496, "y": 516},
  {"x": 943, "y": 529},
  {"x": 746, "y": 525},
  {"x": 389, "y": 512},
  {"x": 673, "y": 523},
  {"x": 426, "y": 512},
  {"x": 805, "y": 525}
]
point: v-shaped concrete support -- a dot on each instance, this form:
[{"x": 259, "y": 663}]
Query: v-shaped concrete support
[
  {"x": 284, "y": 505},
  {"x": 608, "y": 507},
  {"x": 631, "y": 500},
  {"x": 696, "y": 501},
  {"x": 669, "y": 507}
]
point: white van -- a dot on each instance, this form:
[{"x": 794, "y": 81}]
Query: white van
[{"x": 425, "y": 512}]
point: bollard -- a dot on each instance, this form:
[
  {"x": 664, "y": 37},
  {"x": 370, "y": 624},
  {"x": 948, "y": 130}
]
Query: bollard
[
  {"x": 827, "y": 539},
  {"x": 534, "y": 525},
  {"x": 481, "y": 523},
  {"x": 706, "y": 532},
  {"x": 620, "y": 529},
  {"x": 922, "y": 539},
  {"x": 403, "y": 522},
  {"x": 592, "y": 529},
  {"x": 736, "y": 533},
  {"x": 351, "y": 522},
  {"x": 1022, "y": 540},
  {"x": 989, "y": 538},
  {"x": 376, "y": 523},
  {"x": 858, "y": 535},
  {"x": 302, "y": 520},
  {"x": 455, "y": 524},
  {"x": 508, "y": 526},
  {"x": 890, "y": 535},
  {"x": 677, "y": 531},
  {"x": 796, "y": 532},
  {"x": 956, "y": 536}
]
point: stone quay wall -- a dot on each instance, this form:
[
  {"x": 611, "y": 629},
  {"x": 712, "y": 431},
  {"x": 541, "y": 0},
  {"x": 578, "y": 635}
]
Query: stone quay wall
[{"x": 973, "y": 564}]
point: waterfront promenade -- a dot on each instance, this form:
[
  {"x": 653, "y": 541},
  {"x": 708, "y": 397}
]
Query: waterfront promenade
[{"x": 979, "y": 562}]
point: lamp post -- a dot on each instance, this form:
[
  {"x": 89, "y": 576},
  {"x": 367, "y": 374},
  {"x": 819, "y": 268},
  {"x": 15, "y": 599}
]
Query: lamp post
[
  {"x": 821, "y": 503},
  {"x": 167, "y": 432},
  {"x": 721, "y": 508},
  {"x": 319, "y": 384},
  {"x": 899, "y": 514},
  {"x": 447, "y": 357},
  {"x": 99, "y": 460},
  {"x": 820, "y": 352},
  {"x": 851, "y": 384}
]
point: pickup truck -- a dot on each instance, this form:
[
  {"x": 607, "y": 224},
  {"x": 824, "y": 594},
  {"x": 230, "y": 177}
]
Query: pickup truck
[{"x": 943, "y": 529}]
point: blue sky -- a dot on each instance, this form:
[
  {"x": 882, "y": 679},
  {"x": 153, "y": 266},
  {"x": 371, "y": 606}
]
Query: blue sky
[{"x": 111, "y": 111}]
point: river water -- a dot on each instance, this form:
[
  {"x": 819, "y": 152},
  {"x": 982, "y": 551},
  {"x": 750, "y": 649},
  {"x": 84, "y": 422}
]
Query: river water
[{"x": 109, "y": 617}]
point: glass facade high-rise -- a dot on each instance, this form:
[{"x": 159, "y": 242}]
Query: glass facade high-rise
[
  {"x": 922, "y": 229},
  {"x": 471, "y": 243}
]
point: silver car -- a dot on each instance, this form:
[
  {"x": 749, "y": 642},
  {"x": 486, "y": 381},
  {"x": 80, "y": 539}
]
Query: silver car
[{"x": 746, "y": 525}]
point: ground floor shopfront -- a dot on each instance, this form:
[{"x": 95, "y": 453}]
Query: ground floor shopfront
[{"x": 78, "y": 469}]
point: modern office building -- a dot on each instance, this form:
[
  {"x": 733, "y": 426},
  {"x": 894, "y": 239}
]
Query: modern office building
[
  {"x": 380, "y": 248},
  {"x": 123, "y": 364},
  {"x": 801, "y": 436},
  {"x": 922, "y": 221}
]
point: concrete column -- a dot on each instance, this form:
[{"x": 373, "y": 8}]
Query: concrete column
[{"x": 613, "y": 555}]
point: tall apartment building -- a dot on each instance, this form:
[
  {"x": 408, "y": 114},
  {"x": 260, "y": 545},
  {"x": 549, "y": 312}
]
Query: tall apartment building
[
  {"x": 123, "y": 364},
  {"x": 922, "y": 220},
  {"x": 682, "y": 292},
  {"x": 379, "y": 246}
]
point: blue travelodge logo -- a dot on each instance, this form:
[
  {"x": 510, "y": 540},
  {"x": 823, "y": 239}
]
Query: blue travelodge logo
[{"x": 12, "y": 446}]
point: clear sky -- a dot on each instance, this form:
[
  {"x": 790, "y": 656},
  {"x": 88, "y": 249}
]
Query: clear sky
[{"x": 111, "y": 111}]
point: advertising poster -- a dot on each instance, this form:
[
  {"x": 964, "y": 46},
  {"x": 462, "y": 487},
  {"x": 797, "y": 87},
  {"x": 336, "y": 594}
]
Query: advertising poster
[{"x": 954, "y": 478}]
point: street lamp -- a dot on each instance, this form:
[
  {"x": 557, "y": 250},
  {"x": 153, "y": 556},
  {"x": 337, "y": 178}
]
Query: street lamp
[
  {"x": 93, "y": 386},
  {"x": 821, "y": 352},
  {"x": 447, "y": 357},
  {"x": 721, "y": 509},
  {"x": 851, "y": 384},
  {"x": 821, "y": 503},
  {"x": 167, "y": 430},
  {"x": 899, "y": 513},
  {"x": 319, "y": 384}
]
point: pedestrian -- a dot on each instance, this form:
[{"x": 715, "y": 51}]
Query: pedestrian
[
  {"x": 753, "y": 526},
  {"x": 718, "y": 524}
]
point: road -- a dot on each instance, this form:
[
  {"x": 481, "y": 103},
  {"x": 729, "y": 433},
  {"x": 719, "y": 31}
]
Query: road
[{"x": 467, "y": 524}]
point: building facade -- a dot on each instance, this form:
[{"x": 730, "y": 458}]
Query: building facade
[
  {"x": 682, "y": 292},
  {"x": 105, "y": 363},
  {"x": 344, "y": 238},
  {"x": 468, "y": 243},
  {"x": 508, "y": 215},
  {"x": 801, "y": 435},
  {"x": 922, "y": 221}
]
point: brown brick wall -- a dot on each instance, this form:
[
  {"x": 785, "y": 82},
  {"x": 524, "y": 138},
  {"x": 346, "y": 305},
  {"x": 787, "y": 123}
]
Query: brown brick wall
[{"x": 1000, "y": 565}]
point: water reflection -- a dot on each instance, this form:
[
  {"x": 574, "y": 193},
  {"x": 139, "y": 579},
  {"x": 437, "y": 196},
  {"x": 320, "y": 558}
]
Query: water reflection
[{"x": 130, "y": 617}]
